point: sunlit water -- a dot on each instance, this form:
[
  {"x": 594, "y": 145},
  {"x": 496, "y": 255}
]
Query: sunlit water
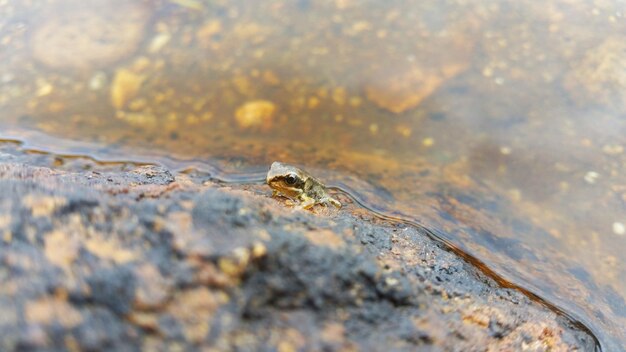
[{"x": 499, "y": 125}]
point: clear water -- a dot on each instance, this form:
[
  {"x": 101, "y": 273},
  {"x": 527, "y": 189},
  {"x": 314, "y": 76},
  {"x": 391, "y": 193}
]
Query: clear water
[{"x": 498, "y": 124}]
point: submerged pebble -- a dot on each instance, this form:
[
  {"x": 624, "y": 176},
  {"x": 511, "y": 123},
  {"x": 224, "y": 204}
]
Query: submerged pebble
[
  {"x": 256, "y": 114},
  {"x": 591, "y": 177},
  {"x": 125, "y": 86}
]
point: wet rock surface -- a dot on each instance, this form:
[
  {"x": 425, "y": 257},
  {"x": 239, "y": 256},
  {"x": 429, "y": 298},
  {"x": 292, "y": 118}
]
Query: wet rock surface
[{"x": 117, "y": 256}]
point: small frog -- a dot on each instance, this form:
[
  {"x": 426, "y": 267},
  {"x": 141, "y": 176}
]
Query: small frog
[{"x": 298, "y": 185}]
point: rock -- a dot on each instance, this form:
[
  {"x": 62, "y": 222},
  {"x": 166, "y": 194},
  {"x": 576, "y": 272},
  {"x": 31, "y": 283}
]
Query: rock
[
  {"x": 399, "y": 90},
  {"x": 88, "y": 35},
  {"x": 600, "y": 77},
  {"x": 158, "y": 42},
  {"x": 207, "y": 32},
  {"x": 48, "y": 311},
  {"x": 400, "y": 83},
  {"x": 256, "y": 114},
  {"x": 147, "y": 259},
  {"x": 125, "y": 87}
]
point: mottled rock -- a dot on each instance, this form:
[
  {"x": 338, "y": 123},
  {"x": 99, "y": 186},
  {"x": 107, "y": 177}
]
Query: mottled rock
[{"x": 139, "y": 258}]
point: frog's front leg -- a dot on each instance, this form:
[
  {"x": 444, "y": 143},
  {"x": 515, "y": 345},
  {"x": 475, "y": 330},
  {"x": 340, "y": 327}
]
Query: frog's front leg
[
  {"x": 333, "y": 201},
  {"x": 306, "y": 202}
]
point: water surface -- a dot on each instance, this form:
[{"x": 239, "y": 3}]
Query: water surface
[{"x": 499, "y": 124}]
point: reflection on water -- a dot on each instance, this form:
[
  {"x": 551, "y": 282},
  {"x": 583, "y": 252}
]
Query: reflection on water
[{"x": 500, "y": 124}]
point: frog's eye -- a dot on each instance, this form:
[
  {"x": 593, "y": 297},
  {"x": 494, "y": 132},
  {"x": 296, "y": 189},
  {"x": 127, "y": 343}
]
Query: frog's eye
[{"x": 291, "y": 179}]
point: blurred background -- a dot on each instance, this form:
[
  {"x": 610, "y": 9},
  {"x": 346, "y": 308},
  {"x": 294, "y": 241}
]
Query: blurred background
[{"x": 500, "y": 124}]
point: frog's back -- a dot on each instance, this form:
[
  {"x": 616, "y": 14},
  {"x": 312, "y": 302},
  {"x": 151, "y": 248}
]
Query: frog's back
[{"x": 314, "y": 188}]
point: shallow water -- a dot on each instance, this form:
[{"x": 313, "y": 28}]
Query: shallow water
[{"x": 500, "y": 125}]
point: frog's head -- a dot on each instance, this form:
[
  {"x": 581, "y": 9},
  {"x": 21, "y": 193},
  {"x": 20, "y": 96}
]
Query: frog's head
[{"x": 286, "y": 179}]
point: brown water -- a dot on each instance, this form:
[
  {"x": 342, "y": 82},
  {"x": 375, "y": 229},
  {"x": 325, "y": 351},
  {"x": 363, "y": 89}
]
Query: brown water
[{"x": 499, "y": 124}]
